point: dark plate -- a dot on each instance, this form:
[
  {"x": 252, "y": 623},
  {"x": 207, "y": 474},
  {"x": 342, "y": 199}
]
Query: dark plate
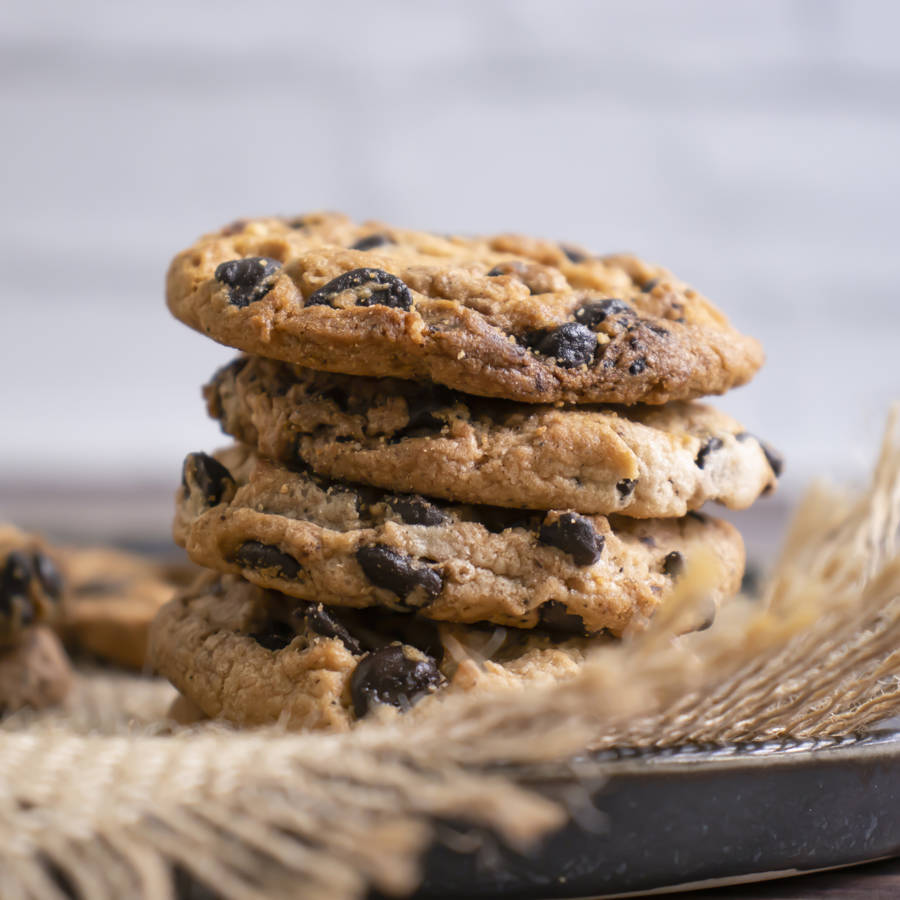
[{"x": 693, "y": 816}]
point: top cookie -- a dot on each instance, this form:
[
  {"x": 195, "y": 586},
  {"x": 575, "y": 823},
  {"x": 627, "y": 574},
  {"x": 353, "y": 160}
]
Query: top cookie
[{"x": 504, "y": 316}]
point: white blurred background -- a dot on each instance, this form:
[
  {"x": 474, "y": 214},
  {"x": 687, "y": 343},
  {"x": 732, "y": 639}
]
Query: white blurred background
[{"x": 753, "y": 146}]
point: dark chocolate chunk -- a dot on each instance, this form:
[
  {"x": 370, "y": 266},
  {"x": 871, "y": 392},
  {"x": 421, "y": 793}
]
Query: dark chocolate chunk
[
  {"x": 626, "y": 487},
  {"x": 323, "y": 620},
  {"x": 498, "y": 270},
  {"x": 48, "y": 575},
  {"x": 15, "y": 577},
  {"x": 208, "y": 475},
  {"x": 555, "y": 616},
  {"x": 416, "y": 510},
  {"x": 372, "y": 241},
  {"x": 274, "y": 636},
  {"x": 570, "y": 345},
  {"x": 649, "y": 285},
  {"x": 256, "y": 555},
  {"x": 389, "y": 676},
  {"x": 575, "y": 535},
  {"x": 637, "y": 366},
  {"x": 673, "y": 564},
  {"x": 394, "y": 571},
  {"x": 773, "y": 457},
  {"x": 248, "y": 279},
  {"x": 497, "y": 518},
  {"x": 573, "y": 255},
  {"x": 383, "y": 289},
  {"x": 712, "y": 443},
  {"x": 597, "y": 311}
]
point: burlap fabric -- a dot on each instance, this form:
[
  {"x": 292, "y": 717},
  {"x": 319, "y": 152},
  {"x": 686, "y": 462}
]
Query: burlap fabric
[{"x": 107, "y": 799}]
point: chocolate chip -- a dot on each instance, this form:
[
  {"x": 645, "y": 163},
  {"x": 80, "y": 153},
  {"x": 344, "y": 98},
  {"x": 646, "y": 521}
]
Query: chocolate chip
[
  {"x": 415, "y": 510},
  {"x": 389, "y": 676},
  {"x": 713, "y": 443},
  {"x": 256, "y": 555},
  {"x": 573, "y": 255},
  {"x": 208, "y": 475},
  {"x": 626, "y": 486},
  {"x": 575, "y": 535},
  {"x": 323, "y": 620},
  {"x": 48, "y": 575},
  {"x": 248, "y": 279},
  {"x": 555, "y": 616},
  {"x": 373, "y": 287},
  {"x": 649, "y": 285},
  {"x": 396, "y": 572},
  {"x": 773, "y": 457},
  {"x": 371, "y": 242},
  {"x": 497, "y": 518},
  {"x": 637, "y": 366},
  {"x": 498, "y": 270},
  {"x": 275, "y": 636},
  {"x": 15, "y": 577},
  {"x": 570, "y": 345},
  {"x": 673, "y": 564},
  {"x": 597, "y": 311}
]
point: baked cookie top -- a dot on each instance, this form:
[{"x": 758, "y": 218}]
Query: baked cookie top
[
  {"x": 503, "y": 316},
  {"x": 355, "y": 546},
  {"x": 642, "y": 461},
  {"x": 254, "y": 657}
]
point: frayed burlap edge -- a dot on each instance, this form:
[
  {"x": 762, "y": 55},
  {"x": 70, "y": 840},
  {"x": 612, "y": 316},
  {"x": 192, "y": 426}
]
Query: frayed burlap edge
[{"x": 108, "y": 800}]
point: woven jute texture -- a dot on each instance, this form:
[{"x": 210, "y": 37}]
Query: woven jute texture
[{"x": 107, "y": 799}]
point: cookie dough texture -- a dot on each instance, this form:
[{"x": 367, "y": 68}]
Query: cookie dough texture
[
  {"x": 355, "y": 546},
  {"x": 503, "y": 316},
  {"x": 253, "y": 657},
  {"x": 35, "y": 672},
  {"x": 31, "y": 584},
  {"x": 641, "y": 461}
]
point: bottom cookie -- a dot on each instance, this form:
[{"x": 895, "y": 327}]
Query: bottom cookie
[
  {"x": 35, "y": 672},
  {"x": 254, "y": 656}
]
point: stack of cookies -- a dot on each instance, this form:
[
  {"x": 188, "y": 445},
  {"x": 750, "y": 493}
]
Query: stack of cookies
[{"x": 458, "y": 463}]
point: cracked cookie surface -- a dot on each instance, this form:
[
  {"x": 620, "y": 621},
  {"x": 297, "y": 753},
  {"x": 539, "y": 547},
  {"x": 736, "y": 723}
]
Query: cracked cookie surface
[
  {"x": 254, "y": 656},
  {"x": 641, "y": 461},
  {"x": 503, "y": 316},
  {"x": 356, "y": 546}
]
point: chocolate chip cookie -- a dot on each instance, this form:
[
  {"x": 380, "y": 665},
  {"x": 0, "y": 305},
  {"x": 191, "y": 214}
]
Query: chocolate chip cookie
[
  {"x": 113, "y": 597},
  {"x": 356, "y": 546},
  {"x": 31, "y": 585},
  {"x": 640, "y": 461},
  {"x": 503, "y": 316},
  {"x": 253, "y": 656}
]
